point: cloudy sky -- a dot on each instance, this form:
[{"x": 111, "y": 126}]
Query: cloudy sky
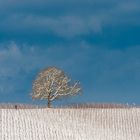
[{"x": 94, "y": 41}]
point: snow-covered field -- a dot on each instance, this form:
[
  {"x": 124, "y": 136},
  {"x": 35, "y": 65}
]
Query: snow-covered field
[{"x": 70, "y": 124}]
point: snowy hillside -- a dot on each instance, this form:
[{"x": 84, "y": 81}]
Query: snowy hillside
[{"x": 70, "y": 124}]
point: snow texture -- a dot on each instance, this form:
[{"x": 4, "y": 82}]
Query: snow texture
[{"x": 70, "y": 124}]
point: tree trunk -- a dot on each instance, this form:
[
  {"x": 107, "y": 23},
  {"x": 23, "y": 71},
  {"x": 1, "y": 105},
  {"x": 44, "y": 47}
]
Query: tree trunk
[{"x": 49, "y": 103}]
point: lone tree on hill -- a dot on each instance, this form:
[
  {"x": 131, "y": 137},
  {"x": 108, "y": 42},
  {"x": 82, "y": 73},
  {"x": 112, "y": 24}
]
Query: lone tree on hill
[{"x": 52, "y": 83}]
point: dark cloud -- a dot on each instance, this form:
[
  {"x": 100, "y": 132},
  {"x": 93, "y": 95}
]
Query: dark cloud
[
  {"x": 66, "y": 18},
  {"x": 95, "y": 41}
]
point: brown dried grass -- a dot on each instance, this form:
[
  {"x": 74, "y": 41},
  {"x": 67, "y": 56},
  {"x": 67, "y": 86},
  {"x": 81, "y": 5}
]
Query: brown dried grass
[{"x": 84, "y": 106}]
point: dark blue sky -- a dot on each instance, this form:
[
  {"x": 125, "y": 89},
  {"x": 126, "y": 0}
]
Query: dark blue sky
[{"x": 94, "y": 41}]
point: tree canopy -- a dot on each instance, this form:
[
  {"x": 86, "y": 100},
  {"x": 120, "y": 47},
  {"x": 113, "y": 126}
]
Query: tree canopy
[{"x": 52, "y": 83}]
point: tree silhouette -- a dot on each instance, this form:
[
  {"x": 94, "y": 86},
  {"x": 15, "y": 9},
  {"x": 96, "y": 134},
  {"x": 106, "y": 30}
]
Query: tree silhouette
[{"x": 52, "y": 83}]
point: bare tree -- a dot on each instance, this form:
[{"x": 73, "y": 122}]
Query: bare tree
[{"x": 52, "y": 83}]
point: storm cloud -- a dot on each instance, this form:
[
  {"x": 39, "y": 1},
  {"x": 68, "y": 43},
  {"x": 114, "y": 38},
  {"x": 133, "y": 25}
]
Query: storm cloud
[
  {"x": 95, "y": 41},
  {"x": 66, "y": 18}
]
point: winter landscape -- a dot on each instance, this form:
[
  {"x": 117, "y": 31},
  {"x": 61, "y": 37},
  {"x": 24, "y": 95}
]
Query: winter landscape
[
  {"x": 56, "y": 53},
  {"x": 70, "y": 124}
]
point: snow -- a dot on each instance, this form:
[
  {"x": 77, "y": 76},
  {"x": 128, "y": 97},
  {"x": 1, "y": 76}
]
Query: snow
[{"x": 70, "y": 124}]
